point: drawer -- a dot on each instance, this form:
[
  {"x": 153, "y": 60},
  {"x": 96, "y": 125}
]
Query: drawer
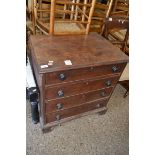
[
  {"x": 56, "y": 116},
  {"x": 69, "y": 89},
  {"x": 68, "y": 102},
  {"x": 83, "y": 73}
]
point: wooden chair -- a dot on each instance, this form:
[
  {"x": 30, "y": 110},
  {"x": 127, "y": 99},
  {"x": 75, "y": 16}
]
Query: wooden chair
[
  {"x": 116, "y": 29},
  {"x": 120, "y": 8},
  {"x": 63, "y": 16},
  {"x": 116, "y": 24},
  {"x": 101, "y": 12},
  {"x": 30, "y": 27}
]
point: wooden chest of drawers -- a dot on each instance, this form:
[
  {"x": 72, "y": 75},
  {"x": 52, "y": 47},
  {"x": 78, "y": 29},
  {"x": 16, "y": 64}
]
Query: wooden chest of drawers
[{"x": 76, "y": 75}]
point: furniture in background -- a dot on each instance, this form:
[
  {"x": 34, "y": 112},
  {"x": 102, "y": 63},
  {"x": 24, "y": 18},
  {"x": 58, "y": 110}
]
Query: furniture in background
[
  {"x": 116, "y": 30},
  {"x": 63, "y": 17},
  {"x": 106, "y": 8},
  {"x": 101, "y": 12},
  {"x": 75, "y": 74},
  {"x": 39, "y": 15},
  {"x": 102, "y": 1},
  {"x": 120, "y": 8},
  {"x": 30, "y": 26}
]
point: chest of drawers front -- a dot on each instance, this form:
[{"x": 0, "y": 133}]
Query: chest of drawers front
[
  {"x": 68, "y": 95},
  {"x": 67, "y": 92}
]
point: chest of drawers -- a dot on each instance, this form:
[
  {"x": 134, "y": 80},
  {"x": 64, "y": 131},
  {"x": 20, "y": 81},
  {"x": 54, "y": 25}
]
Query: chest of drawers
[{"x": 76, "y": 75}]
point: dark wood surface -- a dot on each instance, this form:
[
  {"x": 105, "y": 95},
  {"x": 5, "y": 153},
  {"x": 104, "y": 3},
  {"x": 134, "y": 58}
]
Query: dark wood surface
[
  {"x": 85, "y": 85},
  {"x": 82, "y": 73},
  {"x": 72, "y": 101},
  {"x": 79, "y": 87},
  {"x": 82, "y": 50},
  {"x": 75, "y": 110}
]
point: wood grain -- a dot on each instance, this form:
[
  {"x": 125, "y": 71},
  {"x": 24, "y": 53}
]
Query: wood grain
[
  {"x": 85, "y": 86},
  {"x": 82, "y": 50},
  {"x": 76, "y": 110},
  {"x": 82, "y": 73},
  {"x": 72, "y": 101},
  {"x": 79, "y": 87}
]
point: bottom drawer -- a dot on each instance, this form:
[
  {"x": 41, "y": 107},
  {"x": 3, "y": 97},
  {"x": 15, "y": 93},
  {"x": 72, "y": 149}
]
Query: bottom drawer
[{"x": 56, "y": 116}]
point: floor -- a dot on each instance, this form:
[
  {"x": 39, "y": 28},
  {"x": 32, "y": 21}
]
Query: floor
[{"x": 90, "y": 135}]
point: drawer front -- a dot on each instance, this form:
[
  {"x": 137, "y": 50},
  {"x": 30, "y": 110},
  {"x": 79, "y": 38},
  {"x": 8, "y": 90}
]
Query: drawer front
[
  {"x": 56, "y": 116},
  {"x": 79, "y": 88},
  {"x": 68, "y": 102},
  {"x": 83, "y": 73}
]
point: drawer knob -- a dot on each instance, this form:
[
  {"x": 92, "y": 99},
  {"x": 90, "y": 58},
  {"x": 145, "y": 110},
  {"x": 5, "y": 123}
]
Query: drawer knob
[
  {"x": 103, "y": 93},
  {"x": 59, "y": 106},
  {"x": 62, "y": 76},
  {"x": 91, "y": 68},
  {"x": 98, "y": 105},
  {"x": 108, "y": 83},
  {"x": 114, "y": 69},
  {"x": 57, "y": 117},
  {"x": 60, "y": 93}
]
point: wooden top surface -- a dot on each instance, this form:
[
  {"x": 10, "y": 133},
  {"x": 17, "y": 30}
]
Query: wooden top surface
[{"x": 81, "y": 50}]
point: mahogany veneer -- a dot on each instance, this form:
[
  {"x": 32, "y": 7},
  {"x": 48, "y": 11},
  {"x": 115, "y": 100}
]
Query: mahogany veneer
[{"x": 72, "y": 91}]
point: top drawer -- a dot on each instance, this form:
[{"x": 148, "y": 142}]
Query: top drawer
[{"x": 82, "y": 73}]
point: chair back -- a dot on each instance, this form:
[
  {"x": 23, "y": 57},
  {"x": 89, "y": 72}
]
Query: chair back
[
  {"x": 120, "y": 8},
  {"x": 116, "y": 30},
  {"x": 101, "y": 11},
  {"x": 64, "y": 16}
]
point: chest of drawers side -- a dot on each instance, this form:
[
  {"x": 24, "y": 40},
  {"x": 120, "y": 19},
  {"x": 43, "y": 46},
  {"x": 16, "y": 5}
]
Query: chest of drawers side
[{"x": 40, "y": 83}]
